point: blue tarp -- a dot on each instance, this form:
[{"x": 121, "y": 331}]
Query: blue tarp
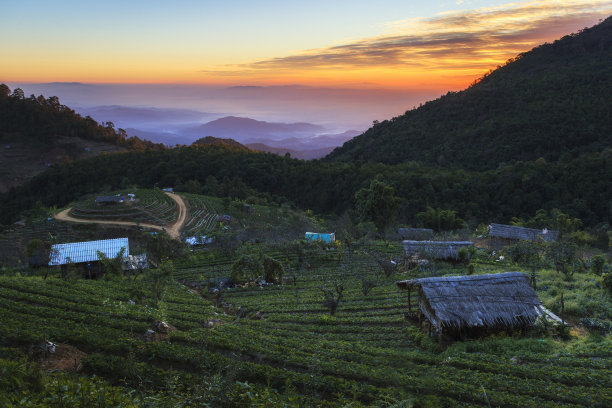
[{"x": 321, "y": 236}]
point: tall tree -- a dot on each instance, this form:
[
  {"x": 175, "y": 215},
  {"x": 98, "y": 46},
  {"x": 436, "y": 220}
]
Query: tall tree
[{"x": 378, "y": 204}]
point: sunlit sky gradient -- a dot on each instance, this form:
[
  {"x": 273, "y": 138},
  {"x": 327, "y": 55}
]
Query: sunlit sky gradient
[{"x": 401, "y": 44}]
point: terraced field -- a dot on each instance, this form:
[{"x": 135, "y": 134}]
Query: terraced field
[
  {"x": 293, "y": 348},
  {"x": 150, "y": 206},
  {"x": 203, "y": 215}
]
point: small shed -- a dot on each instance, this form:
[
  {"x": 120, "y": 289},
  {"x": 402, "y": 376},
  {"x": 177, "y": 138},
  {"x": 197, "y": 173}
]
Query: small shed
[
  {"x": 320, "y": 236},
  {"x": 201, "y": 240},
  {"x": 106, "y": 200},
  {"x": 435, "y": 249},
  {"x": 515, "y": 233},
  {"x": 225, "y": 218},
  {"x": 135, "y": 262},
  {"x": 418, "y": 234},
  {"x": 475, "y": 302}
]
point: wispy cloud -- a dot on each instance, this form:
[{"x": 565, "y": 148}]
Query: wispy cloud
[{"x": 453, "y": 42}]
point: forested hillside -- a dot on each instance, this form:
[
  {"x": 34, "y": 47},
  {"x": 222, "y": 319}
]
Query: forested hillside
[
  {"x": 581, "y": 187},
  {"x": 550, "y": 102},
  {"x": 37, "y": 132},
  {"x": 42, "y": 120}
]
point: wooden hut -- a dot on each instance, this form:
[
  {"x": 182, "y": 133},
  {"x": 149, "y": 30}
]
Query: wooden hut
[
  {"x": 476, "y": 303},
  {"x": 418, "y": 234},
  {"x": 435, "y": 249},
  {"x": 514, "y": 233}
]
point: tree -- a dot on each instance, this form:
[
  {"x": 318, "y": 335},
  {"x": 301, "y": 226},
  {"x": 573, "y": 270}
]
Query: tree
[
  {"x": 18, "y": 93},
  {"x": 160, "y": 278},
  {"x": 37, "y": 253},
  {"x": 4, "y": 91},
  {"x": 378, "y": 203},
  {"x": 440, "y": 220},
  {"x": 113, "y": 267}
]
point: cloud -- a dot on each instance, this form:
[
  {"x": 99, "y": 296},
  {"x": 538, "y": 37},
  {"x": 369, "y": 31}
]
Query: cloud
[{"x": 476, "y": 39}]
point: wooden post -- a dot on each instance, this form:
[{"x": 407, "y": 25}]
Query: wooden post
[
  {"x": 409, "y": 304},
  {"x": 562, "y": 309}
]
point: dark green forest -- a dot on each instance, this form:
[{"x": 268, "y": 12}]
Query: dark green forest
[
  {"x": 551, "y": 102},
  {"x": 581, "y": 187}
]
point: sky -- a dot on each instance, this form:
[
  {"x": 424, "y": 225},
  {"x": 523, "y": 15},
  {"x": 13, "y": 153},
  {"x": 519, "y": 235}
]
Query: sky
[{"x": 420, "y": 48}]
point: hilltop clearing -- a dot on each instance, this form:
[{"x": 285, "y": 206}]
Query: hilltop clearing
[{"x": 172, "y": 230}]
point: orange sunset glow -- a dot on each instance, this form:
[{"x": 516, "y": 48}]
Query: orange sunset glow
[{"x": 445, "y": 51}]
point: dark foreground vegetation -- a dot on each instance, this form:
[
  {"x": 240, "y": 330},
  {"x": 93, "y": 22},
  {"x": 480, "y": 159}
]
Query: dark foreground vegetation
[{"x": 325, "y": 328}]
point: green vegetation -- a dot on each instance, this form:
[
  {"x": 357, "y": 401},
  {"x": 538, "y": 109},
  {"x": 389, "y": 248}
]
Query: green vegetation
[{"x": 283, "y": 343}]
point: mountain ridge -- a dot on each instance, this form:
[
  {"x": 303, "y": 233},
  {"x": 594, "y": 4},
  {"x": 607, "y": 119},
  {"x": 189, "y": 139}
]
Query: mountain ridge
[{"x": 546, "y": 102}]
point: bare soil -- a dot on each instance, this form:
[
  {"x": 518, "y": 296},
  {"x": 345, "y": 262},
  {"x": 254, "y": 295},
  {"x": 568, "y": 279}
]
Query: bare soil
[{"x": 65, "y": 358}]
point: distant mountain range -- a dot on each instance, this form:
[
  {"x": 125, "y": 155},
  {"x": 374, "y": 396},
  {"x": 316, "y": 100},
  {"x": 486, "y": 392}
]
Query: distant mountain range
[
  {"x": 143, "y": 117},
  {"x": 552, "y": 102},
  {"x": 243, "y": 129},
  {"x": 301, "y": 140}
]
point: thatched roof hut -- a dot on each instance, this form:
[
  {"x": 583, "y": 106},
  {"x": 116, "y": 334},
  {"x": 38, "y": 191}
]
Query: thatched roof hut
[
  {"x": 521, "y": 233},
  {"x": 501, "y": 301},
  {"x": 435, "y": 249},
  {"x": 418, "y": 234}
]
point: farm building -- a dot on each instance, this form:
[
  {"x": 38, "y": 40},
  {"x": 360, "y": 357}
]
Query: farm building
[
  {"x": 512, "y": 232},
  {"x": 85, "y": 254},
  {"x": 435, "y": 249},
  {"x": 106, "y": 200},
  {"x": 476, "y": 303},
  {"x": 201, "y": 240},
  {"x": 320, "y": 236},
  {"x": 418, "y": 234}
]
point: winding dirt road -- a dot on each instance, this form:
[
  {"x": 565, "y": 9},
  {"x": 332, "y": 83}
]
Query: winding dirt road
[{"x": 173, "y": 230}]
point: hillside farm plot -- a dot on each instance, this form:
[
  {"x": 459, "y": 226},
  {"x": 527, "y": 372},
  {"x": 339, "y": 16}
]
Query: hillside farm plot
[
  {"x": 368, "y": 350},
  {"x": 203, "y": 215},
  {"x": 283, "y": 338},
  {"x": 150, "y": 206}
]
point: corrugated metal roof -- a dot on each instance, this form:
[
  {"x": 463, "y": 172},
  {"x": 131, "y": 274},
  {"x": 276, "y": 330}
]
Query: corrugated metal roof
[
  {"x": 77, "y": 252},
  {"x": 435, "y": 249},
  {"x": 522, "y": 233}
]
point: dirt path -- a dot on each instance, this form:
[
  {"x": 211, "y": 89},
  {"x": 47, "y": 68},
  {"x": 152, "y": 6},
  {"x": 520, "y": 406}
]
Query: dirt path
[{"x": 173, "y": 231}]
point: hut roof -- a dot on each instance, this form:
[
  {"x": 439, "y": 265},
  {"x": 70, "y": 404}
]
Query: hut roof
[
  {"x": 77, "y": 252},
  {"x": 415, "y": 233},
  {"x": 493, "y": 300},
  {"x": 522, "y": 233},
  {"x": 435, "y": 249}
]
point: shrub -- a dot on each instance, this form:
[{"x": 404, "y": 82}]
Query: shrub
[
  {"x": 606, "y": 280},
  {"x": 597, "y": 264}
]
